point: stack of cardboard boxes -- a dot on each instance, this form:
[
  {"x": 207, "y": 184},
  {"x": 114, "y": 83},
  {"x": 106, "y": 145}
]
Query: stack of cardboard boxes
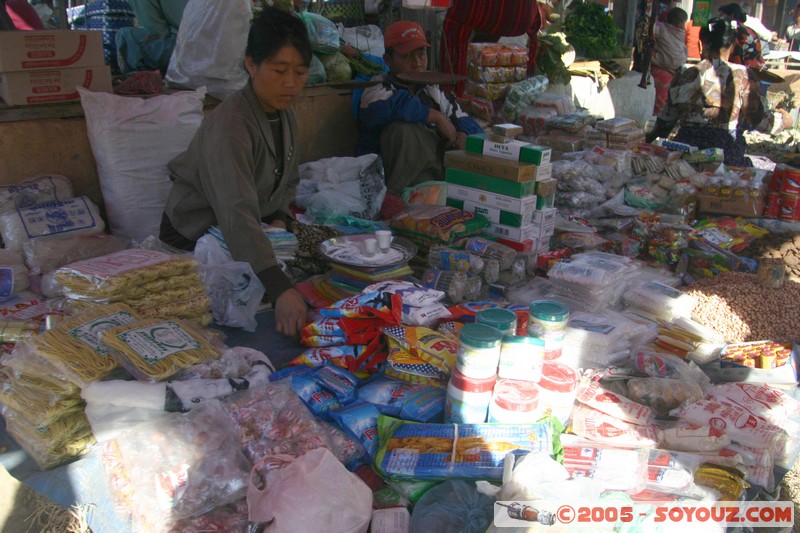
[
  {"x": 509, "y": 182},
  {"x": 38, "y": 67}
]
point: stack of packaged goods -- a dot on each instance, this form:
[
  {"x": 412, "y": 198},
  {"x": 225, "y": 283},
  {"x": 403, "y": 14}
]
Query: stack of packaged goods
[
  {"x": 593, "y": 280},
  {"x": 508, "y": 181},
  {"x": 154, "y": 284},
  {"x": 566, "y": 132},
  {"x": 616, "y": 134},
  {"x": 284, "y": 243},
  {"x": 491, "y": 70},
  {"x": 544, "y": 107}
]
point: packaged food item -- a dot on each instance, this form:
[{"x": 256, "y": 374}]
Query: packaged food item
[
  {"x": 359, "y": 420},
  {"x": 492, "y": 250},
  {"x": 663, "y": 394},
  {"x": 410, "y": 401},
  {"x": 478, "y": 351},
  {"x": 154, "y": 349},
  {"x": 548, "y": 321},
  {"x": 502, "y": 320},
  {"x": 454, "y": 451},
  {"x": 432, "y": 347},
  {"x": 13, "y": 273},
  {"x": 444, "y": 258},
  {"x": 595, "y": 396},
  {"x": 736, "y": 421},
  {"x": 438, "y": 223},
  {"x": 688, "y": 437},
  {"x": 515, "y": 402},
  {"x": 521, "y": 358},
  {"x": 468, "y": 399},
  {"x": 40, "y": 189},
  {"x": 597, "y": 426},
  {"x": 557, "y": 389}
]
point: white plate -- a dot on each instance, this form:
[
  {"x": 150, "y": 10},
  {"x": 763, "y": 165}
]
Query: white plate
[{"x": 349, "y": 250}]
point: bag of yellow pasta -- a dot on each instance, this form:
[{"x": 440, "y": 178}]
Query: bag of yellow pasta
[
  {"x": 74, "y": 346},
  {"x": 155, "y": 349},
  {"x": 120, "y": 272}
]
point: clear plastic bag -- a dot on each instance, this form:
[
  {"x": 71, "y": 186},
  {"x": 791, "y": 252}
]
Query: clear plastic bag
[
  {"x": 44, "y": 256},
  {"x": 176, "y": 466},
  {"x": 323, "y": 33}
]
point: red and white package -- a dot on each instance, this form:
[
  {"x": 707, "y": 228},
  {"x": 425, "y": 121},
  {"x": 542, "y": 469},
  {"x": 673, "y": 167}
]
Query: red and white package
[
  {"x": 739, "y": 423},
  {"x": 597, "y": 426},
  {"x": 723, "y": 457},
  {"x": 691, "y": 438},
  {"x": 615, "y": 468},
  {"x": 613, "y": 404},
  {"x": 753, "y": 456},
  {"x": 760, "y": 399},
  {"x": 759, "y": 475}
]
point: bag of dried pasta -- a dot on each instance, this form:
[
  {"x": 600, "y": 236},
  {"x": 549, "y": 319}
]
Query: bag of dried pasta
[
  {"x": 74, "y": 347},
  {"x": 155, "y": 349},
  {"x": 121, "y": 273}
]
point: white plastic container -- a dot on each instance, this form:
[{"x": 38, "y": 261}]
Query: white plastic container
[
  {"x": 548, "y": 321},
  {"x": 515, "y": 402},
  {"x": 478, "y": 351},
  {"x": 557, "y": 389},
  {"x": 502, "y": 320},
  {"x": 467, "y": 400},
  {"x": 521, "y": 358}
]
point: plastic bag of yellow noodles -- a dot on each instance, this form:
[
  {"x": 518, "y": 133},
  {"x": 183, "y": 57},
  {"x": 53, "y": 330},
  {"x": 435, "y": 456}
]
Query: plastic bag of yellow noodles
[
  {"x": 121, "y": 273},
  {"x": 154, "y": 349},
  {"x": 74, "y": 345}
]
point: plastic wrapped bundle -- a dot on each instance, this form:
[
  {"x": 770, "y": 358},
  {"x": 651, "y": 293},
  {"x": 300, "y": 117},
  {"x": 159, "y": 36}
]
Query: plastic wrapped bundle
[
  {"x": 124, "y": 274},
  {"x": 596, "y": 338},
  {"x": 75, "y": 216},
  {"x": 44, "y": 256},
  {"x": 73, "y": 347},
  {"x": 662, "y": 301},
  {"x": 176, "y": 466},
  {"x": 38, "y": 190},
  {"x": 13, "y": 272},
  {"x": 597, "y": 278},
  {"x": 153, "y": 349}
]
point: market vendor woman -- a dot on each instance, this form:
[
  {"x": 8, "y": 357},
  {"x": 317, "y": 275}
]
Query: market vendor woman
[
  {"x": 241, "y": 167},
  {"x": 715, "y": 101}
]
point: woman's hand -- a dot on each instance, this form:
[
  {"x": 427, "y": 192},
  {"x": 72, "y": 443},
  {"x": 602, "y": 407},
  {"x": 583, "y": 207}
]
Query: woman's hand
[
  {"x": 278, "y": 224},
  {"x": 290, "y": 312}
]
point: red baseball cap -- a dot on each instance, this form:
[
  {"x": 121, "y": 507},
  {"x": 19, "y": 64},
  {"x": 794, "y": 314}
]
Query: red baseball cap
[{"x": 405, "y": 37}]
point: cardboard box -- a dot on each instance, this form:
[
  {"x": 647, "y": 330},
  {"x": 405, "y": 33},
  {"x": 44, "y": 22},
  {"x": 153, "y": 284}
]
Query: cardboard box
[
  {"x": 525, "y": 246},
  {"x": 544, "y": 217},
  {"x": 489, "y": 183},
  {"x": 493, "y": 214},
  {"x": 50, "y": 86},
  {"x": 738, "y": 202},
  {"x": 787, "y": 373},
  {"x": 546, "y": 187},
  {"x": 515, "y": 150},
  {"x": 50, "y": 49},
  {"x": 529, "y": 232},
  {"x": 545, "y": 202},
  {"x": 496, "y": 166},
  {"x": 526, "y": 204}
]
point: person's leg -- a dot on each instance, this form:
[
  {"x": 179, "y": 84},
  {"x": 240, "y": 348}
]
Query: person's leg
[
  {"x": 662, "y": 79},
  {"x": 138, "y": 49},
  {"x": 411, "y": 154}
]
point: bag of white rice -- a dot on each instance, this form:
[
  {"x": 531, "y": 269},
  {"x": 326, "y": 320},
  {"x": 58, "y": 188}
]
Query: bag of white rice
[
  {"x": 34, "y": 191},
  {"x": 75, "y": 216}
]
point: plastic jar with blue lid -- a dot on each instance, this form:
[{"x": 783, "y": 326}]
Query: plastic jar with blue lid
[
  {"x": 521, "y": 358},
  {"x": 547, "y": 320},
  {"x": 478, "y": 351},
  {"x": 503, "y": 320}
]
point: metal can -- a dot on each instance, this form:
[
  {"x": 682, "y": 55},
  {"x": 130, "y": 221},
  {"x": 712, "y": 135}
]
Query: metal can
[{"x": 790, "y": 207}]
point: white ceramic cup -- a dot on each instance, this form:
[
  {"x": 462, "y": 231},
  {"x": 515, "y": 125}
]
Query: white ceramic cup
[
  {"x": 384, "y": 239},
  {"x": 370, "y": 247}
]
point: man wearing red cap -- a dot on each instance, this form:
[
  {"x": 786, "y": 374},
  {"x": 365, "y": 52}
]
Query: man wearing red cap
[{"x": 410, "y": 125}]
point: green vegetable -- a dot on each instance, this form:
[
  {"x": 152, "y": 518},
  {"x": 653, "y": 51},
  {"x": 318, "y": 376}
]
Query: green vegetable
[
  {"x": 548, "y": 58},
  {"x": 592, "y": 32}
]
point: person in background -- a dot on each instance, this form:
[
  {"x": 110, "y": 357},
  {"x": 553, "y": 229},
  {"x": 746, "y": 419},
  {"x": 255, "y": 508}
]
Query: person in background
[
  {"x": 765, "y": 35},
  {"x": 240, "y": 169},
  {"x": 792, "y": 32},
  {"x": 23, "y": 16},
  {"x": 669, "y": 53},
  {"x": 716, "y": 100},
  {"x": 149, "y": 45},
  {"x": 747, "y": 48},
  {"x": 408, "y": 124}
]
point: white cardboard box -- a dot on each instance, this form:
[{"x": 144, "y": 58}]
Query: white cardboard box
[
  {"x": 544, "y": 217},
  {"x": 522, "y": 205},
  {"x": 48, "y": 86},
  {"x": 50, "y": 49}
]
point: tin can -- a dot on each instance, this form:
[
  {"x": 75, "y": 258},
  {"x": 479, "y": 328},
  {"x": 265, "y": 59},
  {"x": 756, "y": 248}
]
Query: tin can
[
  {"x": 772, "y": 209},
  {"x": 790, "y": 181},
  {"x": 790, "y": 207},
  {"x": 776, "y": 179},
  {"x": 771, "y": 272}
]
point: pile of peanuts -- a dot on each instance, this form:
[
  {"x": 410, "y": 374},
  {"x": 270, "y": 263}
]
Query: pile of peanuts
[
  {"x": 778, "y": 245},
  {"x": 737, "y": 307}
]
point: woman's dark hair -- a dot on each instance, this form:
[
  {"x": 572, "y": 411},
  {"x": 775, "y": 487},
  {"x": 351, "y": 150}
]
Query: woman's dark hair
[
  {"x": 734, "y": 11},
  {"x": 677, "y": 15},
  {"x": 271, "y": 30},
  {"x": 717, "y": 34}
]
